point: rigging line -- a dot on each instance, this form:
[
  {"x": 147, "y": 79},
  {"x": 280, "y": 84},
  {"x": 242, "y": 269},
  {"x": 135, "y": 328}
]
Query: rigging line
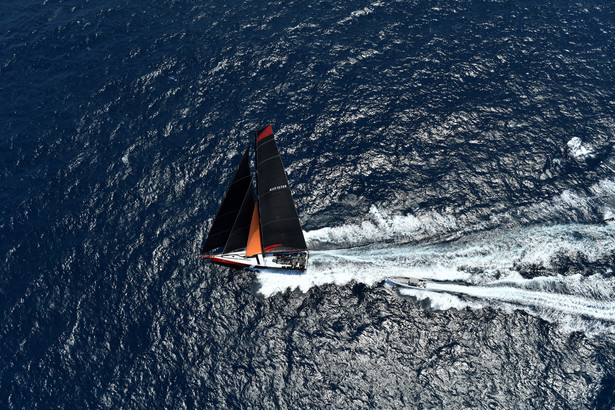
[
  {"x": 232, "y": 211},
  {"x": 266, "y": 142},
  {"x": 240, "y": 179}
]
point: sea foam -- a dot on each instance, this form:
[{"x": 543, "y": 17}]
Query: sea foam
[{"x": 486, "y": 267}]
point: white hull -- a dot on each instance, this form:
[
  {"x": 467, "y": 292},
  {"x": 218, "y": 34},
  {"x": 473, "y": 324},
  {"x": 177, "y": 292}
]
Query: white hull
[{"x": 292, "y": 262}]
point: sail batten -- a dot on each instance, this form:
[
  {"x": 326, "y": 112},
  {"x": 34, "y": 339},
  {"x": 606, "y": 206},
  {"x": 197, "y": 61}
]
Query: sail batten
[{"x": 277, "y": 221}]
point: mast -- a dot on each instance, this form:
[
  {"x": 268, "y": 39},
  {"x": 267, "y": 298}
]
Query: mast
[
  {"x": 231, "y": 206},
  {"x": 279, "y": 223}
]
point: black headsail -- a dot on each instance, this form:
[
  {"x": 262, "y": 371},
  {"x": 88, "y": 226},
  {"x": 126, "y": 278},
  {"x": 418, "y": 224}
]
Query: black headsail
[
  {"x": 280, "y": 226},
  {"x": 231, "y": 205},
  {"x": 239, "y": 234}
]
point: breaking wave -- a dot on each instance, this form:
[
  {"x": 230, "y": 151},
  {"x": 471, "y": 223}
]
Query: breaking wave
[
  {"x": 580, "y": 150},
  {"x": 432, "y": 226}
]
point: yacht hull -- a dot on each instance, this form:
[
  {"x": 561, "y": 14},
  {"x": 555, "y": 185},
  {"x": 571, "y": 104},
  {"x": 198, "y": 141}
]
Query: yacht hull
[{"x": 286, "y": 262}]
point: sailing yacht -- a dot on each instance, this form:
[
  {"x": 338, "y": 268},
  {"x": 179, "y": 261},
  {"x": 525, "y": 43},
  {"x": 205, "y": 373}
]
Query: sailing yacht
[{"x": 258, "y": 231}]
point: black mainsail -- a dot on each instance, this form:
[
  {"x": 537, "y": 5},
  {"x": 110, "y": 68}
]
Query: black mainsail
[
  {"x": 238, "y": 192},
  {"x": 279, "y": 222}
]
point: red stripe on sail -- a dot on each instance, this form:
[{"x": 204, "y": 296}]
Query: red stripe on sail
[{"x": 265, "y": 133}]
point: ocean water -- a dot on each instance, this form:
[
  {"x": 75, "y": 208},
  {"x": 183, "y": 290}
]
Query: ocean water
[{"x": 467, "y": 143}]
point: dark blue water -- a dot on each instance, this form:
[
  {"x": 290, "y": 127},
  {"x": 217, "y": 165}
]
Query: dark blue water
[{"x": 465, "y": 142}]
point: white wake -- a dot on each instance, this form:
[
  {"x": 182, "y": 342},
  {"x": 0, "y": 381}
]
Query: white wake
[
  {"x": 575, "y": 303},
  {"x": 485, "y": 268},
  {"x": 485, "y": 259}
]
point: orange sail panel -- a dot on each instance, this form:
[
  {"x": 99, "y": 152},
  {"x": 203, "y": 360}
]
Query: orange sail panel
[{"x": 254, "y": 246}]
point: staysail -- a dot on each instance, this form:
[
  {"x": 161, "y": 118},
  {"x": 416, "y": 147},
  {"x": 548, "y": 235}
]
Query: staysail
[
  {"x": 254, "y": 246},
  {"x": 240, "y": 191},
  {"x": 239, "y": 234},
  {"x": 279, "y": 224}
]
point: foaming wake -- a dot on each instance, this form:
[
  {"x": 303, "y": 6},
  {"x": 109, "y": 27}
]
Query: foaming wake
[
  {"x": 381, "y": 227},
  {"x": 575, "y": 303},
  {"x": 486, "y": 268},
  {"x": 428, "y": 226}
]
